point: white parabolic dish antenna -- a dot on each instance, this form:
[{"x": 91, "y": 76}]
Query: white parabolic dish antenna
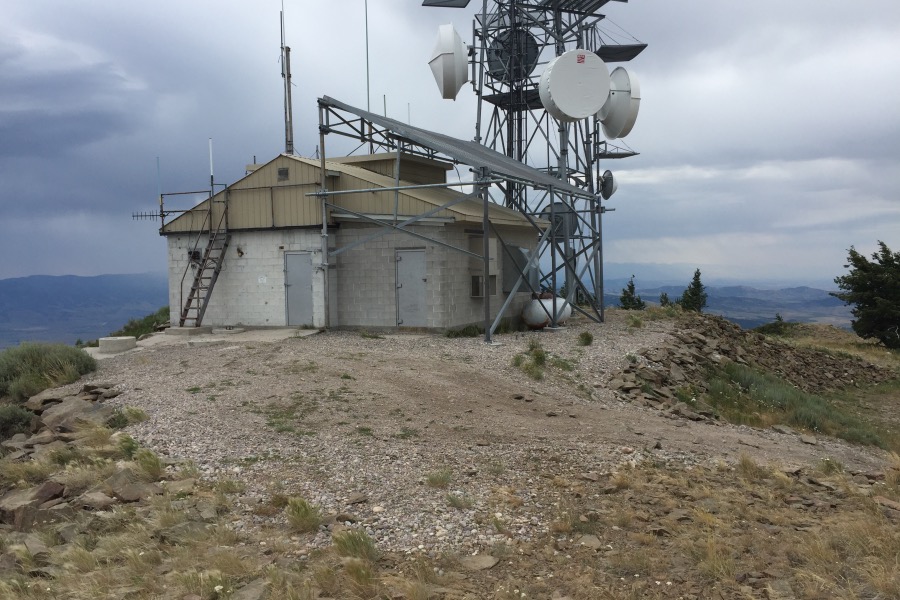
[
  {"x": 449, "y": 62},
  {"x": 620, "y": 112},
  {"x": 575, "y": 85}
]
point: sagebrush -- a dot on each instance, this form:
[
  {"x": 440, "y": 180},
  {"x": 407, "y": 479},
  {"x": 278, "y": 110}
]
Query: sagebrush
[{"x": 30, "y": 368}]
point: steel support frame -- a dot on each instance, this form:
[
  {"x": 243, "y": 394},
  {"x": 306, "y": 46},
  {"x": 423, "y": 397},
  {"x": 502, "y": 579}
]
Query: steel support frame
[{"x": 332, "y": 120}]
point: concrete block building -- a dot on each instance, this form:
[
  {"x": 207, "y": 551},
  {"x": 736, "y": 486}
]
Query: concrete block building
[{"x": 393, "y": 252}]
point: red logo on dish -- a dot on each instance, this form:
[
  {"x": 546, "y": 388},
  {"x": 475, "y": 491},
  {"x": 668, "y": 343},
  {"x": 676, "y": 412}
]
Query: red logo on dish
[{"x": 580, "y": 59}]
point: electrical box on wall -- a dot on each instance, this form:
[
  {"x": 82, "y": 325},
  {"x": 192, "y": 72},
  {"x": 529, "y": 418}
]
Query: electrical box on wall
[
  {"x": 476, "y": 246},
  {"x": 515, "y": 262}
]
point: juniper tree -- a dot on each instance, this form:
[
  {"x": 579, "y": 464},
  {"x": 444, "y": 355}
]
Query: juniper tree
[
  {"x": 664, "y": 300},
  {"x": 873, "y": 288},
  {"x": 629, "y": 300},
  {"x": 694, "y": 297}
]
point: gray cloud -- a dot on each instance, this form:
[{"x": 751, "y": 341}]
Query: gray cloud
[
  {"x": 767, "y": 129},
  {"x": 38, "y": 133}
]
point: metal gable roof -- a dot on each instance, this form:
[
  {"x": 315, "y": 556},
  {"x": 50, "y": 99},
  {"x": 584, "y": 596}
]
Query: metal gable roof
[
  {"x": 249, "y": 202},
  {"x": 470, "y": 210}
]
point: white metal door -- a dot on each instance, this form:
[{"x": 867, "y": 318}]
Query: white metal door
[
  {"x": 411, "y": 280},
  {"x": 298, "y": 276}
]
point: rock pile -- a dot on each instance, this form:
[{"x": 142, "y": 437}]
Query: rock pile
[
  {"x": 63, "y": 426},
  {"x": 702, "y": 342}
]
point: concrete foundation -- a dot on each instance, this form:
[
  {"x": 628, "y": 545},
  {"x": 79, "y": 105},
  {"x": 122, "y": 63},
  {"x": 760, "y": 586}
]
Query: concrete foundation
[{"x": 112, "y": 345}]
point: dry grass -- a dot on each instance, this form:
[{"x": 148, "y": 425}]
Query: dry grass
[
  {"x": 439, "y": 479},
  {"x": 459, "y": 501},
  {"x": 623, "y": 479},
  {"x": 666, "y": 532},
  {"x": 750, "y": 470},
  {"x": 303, "y": 516},
  {"x": 24, "y": 474},
  {"x": 355, "y": 543},
  {"x": 841, "y": 341},
  {"x": 851, "y": 558},
  {"x": 80, "y": 478},
  {"x": 707, "y": 523},
  {"x": 150, "y": 465}
]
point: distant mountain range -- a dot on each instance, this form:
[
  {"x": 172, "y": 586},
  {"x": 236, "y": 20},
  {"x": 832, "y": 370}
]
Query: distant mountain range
[
  {"x": 67, "y": 308},
  {"x": 751, "y": 307}
]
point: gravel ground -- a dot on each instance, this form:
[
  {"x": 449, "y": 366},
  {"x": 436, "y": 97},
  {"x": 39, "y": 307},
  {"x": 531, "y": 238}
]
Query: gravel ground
[{"x": 357, "y": 424}]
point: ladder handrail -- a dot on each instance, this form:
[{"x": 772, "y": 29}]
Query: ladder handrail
[{"x": 204, "y": 262}]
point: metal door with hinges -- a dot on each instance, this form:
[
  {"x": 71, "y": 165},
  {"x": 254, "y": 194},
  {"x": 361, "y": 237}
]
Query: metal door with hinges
[
  {"x": 298, "y": 278},
  {"x": 411, "y": 281}
]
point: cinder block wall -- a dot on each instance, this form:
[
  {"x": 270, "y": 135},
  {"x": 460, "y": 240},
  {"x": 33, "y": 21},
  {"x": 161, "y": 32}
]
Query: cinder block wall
[
  {"x": 460, "y": 307},
  {"x": 366, "y": 276},
  {"x": 250, "y": 289}
]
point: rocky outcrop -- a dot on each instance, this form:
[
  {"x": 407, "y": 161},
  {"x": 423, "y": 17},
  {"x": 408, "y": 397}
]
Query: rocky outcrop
[
  {"x": 62, "y": 426},
  {"x": 703, "y": 342}
]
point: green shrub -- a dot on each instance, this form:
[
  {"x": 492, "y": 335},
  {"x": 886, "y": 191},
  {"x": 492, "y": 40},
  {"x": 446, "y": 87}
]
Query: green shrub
[
  {"x": 745, "y": 395},
  {"x": 145, "y": 325},
  {"x": 30, "y": 368},
  {"x": 302, "y": 515},
  {"x": 149, "y": 463},
  {"x": 778, "y": 327},
  {"x": 439, "y": 479},
  {"x": 585, "y": 338},
  {"x": 118, "y": 420},
  {"x": 128, "y": 446},
  {"x": 27, "y": 385},
  {"x": 123, "y": 417},
  {"x": 469, "y": 331},
  {"x": 355, "y": 543},
  {"x": 537, "y": 352},
  {"x": 13, "y": 420}
]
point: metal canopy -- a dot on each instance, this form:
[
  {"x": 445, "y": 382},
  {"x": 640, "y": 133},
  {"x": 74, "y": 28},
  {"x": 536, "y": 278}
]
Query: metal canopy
[
  {"x": 588, "y": 7},
  {"x": 620, "y": 52},
  {"x": 530, "y": 98},
  {"x": 446, "y": 3},
  {"x": 469, "y": 153}
]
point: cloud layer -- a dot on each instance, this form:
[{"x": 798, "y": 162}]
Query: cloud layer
[{"x": 767, "y": 133}]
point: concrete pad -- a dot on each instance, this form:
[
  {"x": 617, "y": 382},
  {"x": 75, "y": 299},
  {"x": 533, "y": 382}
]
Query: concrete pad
[
  {"x": 227, "y": 330},
  {"x": 113, "y": 345},
  {"x": 205, "y": 335},
  {"x": 188, "y": 331}
]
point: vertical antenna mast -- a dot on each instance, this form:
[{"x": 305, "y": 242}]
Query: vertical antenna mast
[
  {"x": 286, "y": 75},
  {"x": 368, "y": 87},
  {"x": 212, "y": 183}
]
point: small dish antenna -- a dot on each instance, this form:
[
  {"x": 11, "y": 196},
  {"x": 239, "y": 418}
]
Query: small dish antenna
[
  {"x": 620, "y": 112},
  {"x": 575, "y": 85},
  {"x": 449, "y": 62},
  {"x": 608, "y": 185},
  {"x": 507, "y": 46}
]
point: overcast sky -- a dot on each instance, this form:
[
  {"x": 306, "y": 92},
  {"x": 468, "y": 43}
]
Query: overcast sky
[{"x": 769, "y": 131}]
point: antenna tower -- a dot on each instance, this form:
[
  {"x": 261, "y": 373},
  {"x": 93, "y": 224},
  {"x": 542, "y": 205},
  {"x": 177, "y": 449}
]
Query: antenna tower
[{"x": 528, "y": 60}]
